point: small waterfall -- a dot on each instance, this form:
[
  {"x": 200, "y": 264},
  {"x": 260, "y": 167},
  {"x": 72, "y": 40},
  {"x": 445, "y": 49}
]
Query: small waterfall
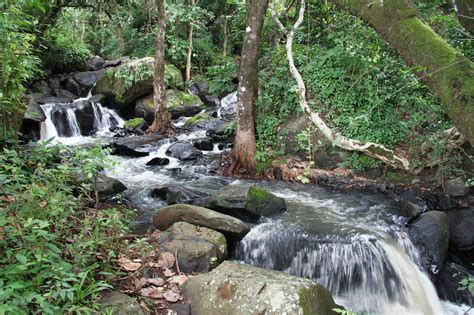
[
  {"x": 366, "y": 273},
  {"x": 62, "y": 119},
  {"x": 228, "y": 105}
]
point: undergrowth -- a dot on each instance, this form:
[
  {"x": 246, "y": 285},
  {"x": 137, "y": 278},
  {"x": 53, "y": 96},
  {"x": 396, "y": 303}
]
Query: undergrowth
[{"x": 56, "y": 252}]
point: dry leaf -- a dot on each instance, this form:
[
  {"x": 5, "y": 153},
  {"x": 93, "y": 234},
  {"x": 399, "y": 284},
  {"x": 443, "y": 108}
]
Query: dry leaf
[
  {"x": 140, "y": 283},
  {"x": 168, "y": 273},
  {"x": 144, "y": 306},
  {"x": 152, "y": 292},
  {"x": 128, "y": 265},
  {"x": 156, "y": 281},
  {"x": 165, "y": 260},
  {"x": 7, "y": 198},
  {"x": 171, "y": 296},
  {"x": 179, "y": 280},
  {"x": 155, "y": 235}
]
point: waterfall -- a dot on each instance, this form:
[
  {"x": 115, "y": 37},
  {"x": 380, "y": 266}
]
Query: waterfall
[
  {"x": 62, "y": 119},
  {"x": 368, "y": 273}
]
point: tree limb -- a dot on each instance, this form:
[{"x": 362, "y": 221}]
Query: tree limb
[{"x": 371, "y": 149}]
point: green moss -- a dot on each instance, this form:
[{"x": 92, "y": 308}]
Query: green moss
[
  {"x": 133, "y": 123},
  {"x": 263, "y": 165},
  {"x": 258, "y": 194},
  {"x": 397, "y": 177},
  {"x": 316, "y": 300},
  {"x": 196, "y": 119},
  {"x": 173, "y": 77},
  {"x": 222, "y": 240}
]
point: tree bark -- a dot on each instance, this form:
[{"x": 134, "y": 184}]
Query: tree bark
[
  {"x": 162, "y": 121},
  {"x": 465, "y": 12},
  {"x": 448, "y": 73},
  {"x": 374, "y": 150},
  {"x": 190, "y": 47},
  {"x": 245, "y": 145}
]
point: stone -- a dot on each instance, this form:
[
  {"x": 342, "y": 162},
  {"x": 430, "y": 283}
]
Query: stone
[
  {"x": 199, "y": 249},
  {"x": 235, "y": 289},
  {"x": 158, "y": 161},
  {"x": 220, "y": 132},
  {"x": 117, "y": 303},
  {"x": 42, "y": 87},
  {"x": 455, "y": 187},
  {"x": 123, "y": 150},
  {"x": 107, "y": 186},
  {"x": 86, "y": 80},
  {"x": 85, "y": 116},
  {"x": 174, "y": 194},
  {"x": 233, "y": 229},
  {"x": 248, "y": 202},
  {"x": 461, "y": 222},
  {"x": 430, "y": 234},
  {"x": 135, "y": 124},
  {"x": 449, "y": 287},
  {"x": 95, "y": 63},
  {"x": 183, "y": 151},
  {"x": 204, "y": 145},
  {"x": 198, "y": 120},
  {"x": 65, "y": 93}
]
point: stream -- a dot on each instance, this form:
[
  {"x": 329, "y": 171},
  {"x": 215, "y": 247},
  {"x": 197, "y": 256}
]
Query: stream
[{"x": 352, "y": 243}]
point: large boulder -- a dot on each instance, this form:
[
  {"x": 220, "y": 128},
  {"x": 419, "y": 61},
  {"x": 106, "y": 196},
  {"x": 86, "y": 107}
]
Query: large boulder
[
  {"x": 95, "y": 63},
  {"x": 180, "y": 104},
  {"x": 221, "y": 131},
  {"x": 183, "y": 151},
  {"x": 107, "y": 186},
  {"x": 461, "y": 221},
  {"x": 248, "y": 202},
  {"x": 234, "y": 288},
  {"x": 117, "y": 303},
  {"x": 455, "y": 187},
  {"x": 324, "y": 154},
  {"x": 34, "y": 115},
  {"x": 84, "y": 116},
  {"x": 174, "y": 194},
  {"x": 125, "y": 150},
  {"x": 430, "y": 234},
  {"x": 123, "y": 85},
  {"x": 199, "y": 249},
  {"x": 232, "y": 228}
]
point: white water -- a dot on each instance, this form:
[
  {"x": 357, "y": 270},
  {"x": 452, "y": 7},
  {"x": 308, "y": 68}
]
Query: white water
[{"x": 228, "y": 104}]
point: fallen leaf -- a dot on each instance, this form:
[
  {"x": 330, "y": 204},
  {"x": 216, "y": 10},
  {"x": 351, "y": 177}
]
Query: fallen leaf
[
  {"x": 156, "y": 281},
  {"x": 179, "y": 280},
  {"x": 7, "y": 198},
  {"x": 165, "y": 260},
  {"x": 144, "y": 306},
  {"x": 168, "y": 273},
  {"x": 155, "y": 235},
  {"x": 140, "y": 283},
  {"x": 128, "y": 265},
  {"x": 152, "y": 292},
  {"x": 171, "y": 296}
]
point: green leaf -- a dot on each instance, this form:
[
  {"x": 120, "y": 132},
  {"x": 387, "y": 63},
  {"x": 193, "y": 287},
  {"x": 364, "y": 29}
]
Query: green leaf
[{"x": 21, "y": 258}]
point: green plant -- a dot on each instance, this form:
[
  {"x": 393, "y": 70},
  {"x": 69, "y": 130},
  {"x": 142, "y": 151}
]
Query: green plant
[{"x": 305, "y": 143}]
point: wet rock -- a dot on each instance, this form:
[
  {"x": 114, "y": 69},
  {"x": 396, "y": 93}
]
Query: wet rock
[
  {"x": 204, "y": 145},
  {"x": 95, "y": 63},
  {"x": 74, "y": 87},
  {"x": 410, "y": 205},
  {"x": 183, "y": 151},
  {"x": 139, "y": 141},
  {"x": 174, "y": 194},
  {"x": 136, "y": 124},
  {"x": 34, "y": 111},
  {"x": 437, "y": 200},
  {"x": 220, "y": 131},
  {"x": 85, "y": 116},
  {"x": 233, "y": 229},
  {"x": 54, "y": 100},
  {"x": 86, "y": 80},
  {"x": 455, "y": 187},
  {"x": 123, "y": 150},
  {"x": 181, "y": 309},
  {"x": 234, "y": 288},
  {"x": 42, "y": 87},
  {"x": 117, "y": 303},
  {"x": 449, "y": 287},
  {"x": 248, "y": 202},
  {"x": 461, "y": 222},
  {"x": 65, "y": 93},
  {"x": 158, "y": 162},
  {"x": 198, "y": 248},
  {"x": 116, "y": 62},
  {"x": 198, "y": 120},
  {"x": 430, "y": 234},
  {"x": 107, "y": 186}
]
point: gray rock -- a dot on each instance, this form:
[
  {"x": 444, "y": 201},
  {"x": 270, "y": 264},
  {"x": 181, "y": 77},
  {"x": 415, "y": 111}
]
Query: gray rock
[
  {"x": 199, "y": 249},
  {"x": 430, "y": 234},
  {"x": 449, "y": 287},
  {"x": 232, "y": 228},
  {"x": 65, "y": 93},
  {"x": 107, "y": 186},
  {"x": 42, "y": 87},
  {"x": 461, "y": 222},
  {"x": 117, "y": 303},
  {"x": 455, "y": 187},
  {"x": 174, "y": 194},
  {"x": 86, "y": 80},
  {"x": 219, "y": 132},
  {"x": 34, "y": 111},
  {"x": 248, "y": 202},
  {"x": 158, "y": 161},
  {"x": 95, "y": 63},
  {"x": 235, "y": 289},
  {"x": 125, "y": 150},
  {"x": 203, "y": 145},
  {"x": 183, "y": 151}
]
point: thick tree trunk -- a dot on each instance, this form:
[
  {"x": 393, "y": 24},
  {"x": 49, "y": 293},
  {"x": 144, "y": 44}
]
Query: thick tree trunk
[
  {"x": 448, "y": 73},
  {"x": 465, "y": 12},
  {"x": 226, "y": 37},
  {"x": 245, "y": 146},
  {"x": 190, "y": 47},
  {"x": 162, "y": 121}
]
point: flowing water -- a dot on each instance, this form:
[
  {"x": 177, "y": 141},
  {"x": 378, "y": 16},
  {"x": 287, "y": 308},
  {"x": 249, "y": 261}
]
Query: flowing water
[{"x": 351, "y": 243}]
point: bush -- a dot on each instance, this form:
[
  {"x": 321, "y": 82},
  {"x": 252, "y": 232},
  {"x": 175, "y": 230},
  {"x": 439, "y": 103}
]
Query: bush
[{"x": 55, "y": 252}]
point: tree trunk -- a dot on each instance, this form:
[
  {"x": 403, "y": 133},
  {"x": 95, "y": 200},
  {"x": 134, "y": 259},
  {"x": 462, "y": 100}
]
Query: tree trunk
[
  {"x": 190, "y": 47},
  {"x": 465, "y": 12},
  {"x": 448, "y": 73},
  {"x": 245, "y": 146},
  {"x": 226, "y": 37},
  {"x": 162, "y": 121}
]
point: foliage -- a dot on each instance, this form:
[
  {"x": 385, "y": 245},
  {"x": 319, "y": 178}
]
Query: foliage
[
  {"x": 467, "y": 284},
  {"x": 18, "y": 64},
  {"x": 221, "y": 76},
  {"x": 55, "y": 253}
]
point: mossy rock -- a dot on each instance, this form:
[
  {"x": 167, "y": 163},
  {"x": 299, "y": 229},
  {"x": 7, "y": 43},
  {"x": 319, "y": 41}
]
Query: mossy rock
[
  {"x": 248, "y": 202},
  {"x": 197, "y": 119},
  {"x": 234, "y": 288},
  {"x": 135, "y": 123},
  {"x": 122, "y": 85}
]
